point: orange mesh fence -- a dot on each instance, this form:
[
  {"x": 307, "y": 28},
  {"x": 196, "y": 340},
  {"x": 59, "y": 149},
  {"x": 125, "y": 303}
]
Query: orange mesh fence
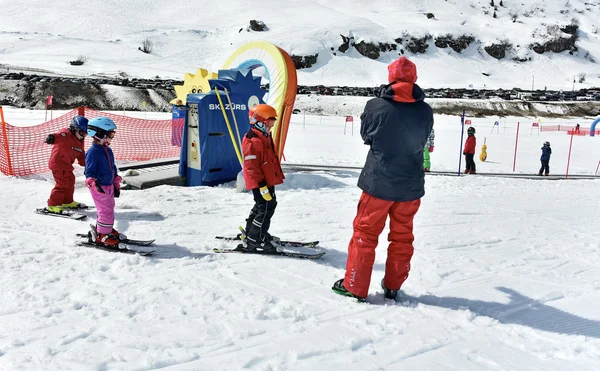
[
  {"x": 24, "y": 152},
  {"x": 582, "y": 132},
  {"x": 557, "y": 127}
]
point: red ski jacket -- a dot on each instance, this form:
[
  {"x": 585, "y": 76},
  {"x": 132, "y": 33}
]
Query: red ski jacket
[
  {"x": 65, "y": 150},
  {"x": 261, "y": 164},
  {"x": 470, "y": 145}
]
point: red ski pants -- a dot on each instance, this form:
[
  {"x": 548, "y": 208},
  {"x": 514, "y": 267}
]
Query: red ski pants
[
  {"x": 64, "y": 188},
  {"x": 368, "y": 224}
]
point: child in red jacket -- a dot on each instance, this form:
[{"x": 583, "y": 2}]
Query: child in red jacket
[
  {"x": 67, "y": 147},
  {"x": 262, "y": 172},
  {"x": 469, "y": 151}
]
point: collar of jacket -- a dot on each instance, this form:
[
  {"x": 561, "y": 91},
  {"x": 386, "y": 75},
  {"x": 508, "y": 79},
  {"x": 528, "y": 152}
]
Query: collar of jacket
[
  {"x": 255, "y": 132},
  {"x": 401, "y": 92}
]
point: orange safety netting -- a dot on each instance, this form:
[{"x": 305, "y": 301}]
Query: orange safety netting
[
  {"x": 557, "y": 127},
  {"x": 23, "y": 150}
]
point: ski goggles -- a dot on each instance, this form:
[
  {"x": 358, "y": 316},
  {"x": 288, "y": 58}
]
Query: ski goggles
[{"x": 111, "y": 134}]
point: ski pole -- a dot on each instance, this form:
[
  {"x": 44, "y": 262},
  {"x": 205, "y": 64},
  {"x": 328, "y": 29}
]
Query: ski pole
[
  {"x": 237, "y": 130},
  {"x": 235, "y": 147}
]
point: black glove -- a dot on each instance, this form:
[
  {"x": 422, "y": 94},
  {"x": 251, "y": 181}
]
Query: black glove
[
  {"x": 117, "y": 191},
  {"x": 50, "y": 139}
]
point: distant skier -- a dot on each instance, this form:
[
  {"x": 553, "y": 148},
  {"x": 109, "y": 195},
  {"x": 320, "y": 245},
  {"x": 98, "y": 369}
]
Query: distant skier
[
  {"x": 427, "y": 150},
  {"x": 67, "y": 147},
  {"x": 102, "y": 178},
  {"x": 545, "y": 159},
  {"x": 469, "y": 151},
  {"x": 396, "y": 126},
  {"x": 262, "y": 172}
]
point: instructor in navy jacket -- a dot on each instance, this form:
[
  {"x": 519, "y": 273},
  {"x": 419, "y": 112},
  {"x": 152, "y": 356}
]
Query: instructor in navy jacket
[{"x": 395, "y": 125}]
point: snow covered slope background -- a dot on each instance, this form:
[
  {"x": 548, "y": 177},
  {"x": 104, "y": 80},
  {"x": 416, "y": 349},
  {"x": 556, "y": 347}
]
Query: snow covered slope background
[
  {"x": 186, "y": 35},
  {"x": 504, "y": 276}
]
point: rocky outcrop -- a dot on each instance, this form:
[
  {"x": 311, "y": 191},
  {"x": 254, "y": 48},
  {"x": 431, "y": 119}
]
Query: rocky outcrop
[
  {"x": 346, "y": 43},
  {"x": 304, "y": 61},
  {"x": 367, "y": 49},
  {"x": 499, "y": 50},
  {"x": 418, "y": 44},
  {"x": 457, "y": 44},
  {"x": 557, "y": 45},
  {"x": 258, "y": 26}
]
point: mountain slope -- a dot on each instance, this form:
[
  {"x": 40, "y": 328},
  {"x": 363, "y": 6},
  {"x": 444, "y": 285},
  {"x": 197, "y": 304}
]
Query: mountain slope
[{"x": 186, "y": 36}]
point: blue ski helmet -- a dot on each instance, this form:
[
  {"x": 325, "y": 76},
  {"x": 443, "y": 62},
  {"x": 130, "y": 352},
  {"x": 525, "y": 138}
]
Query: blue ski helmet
[
  {"x": 99, "y": 127},
  {"x": 78, "y": 123}
]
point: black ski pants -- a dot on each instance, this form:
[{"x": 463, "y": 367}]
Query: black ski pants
[
  {"x": 545, "y": 167},
  {"x": 469, "y": 161},
  {"x": 259, "y": 220}
]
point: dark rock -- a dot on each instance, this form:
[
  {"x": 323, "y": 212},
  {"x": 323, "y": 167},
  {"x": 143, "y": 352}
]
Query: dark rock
[
  {"x": 369, "y": 50},
  {"x": 570, "y": 29},
  {"x": 538, "y": 48},
  {"x": 386, "y": 47},
  {"x": 258, "y": 26},
  {"x": 305, "y": 61},
  {"x": 560, "y": 45},
  {"x": 345, "y": 43},
  {"x": 430, "y": 15},
  {"x": 459, "y": 44},
  {"x": 418, "y": 45},
  {"x": 497, "y": 51},
  {"x": 557, "y": 45}
]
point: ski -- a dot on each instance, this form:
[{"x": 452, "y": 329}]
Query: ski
[
  {"x": 125, "y": 240},
  {"x": 117, "y": 249},
  {"x": 66, "y": 213},
  {"x": 282, "y": 243},
  {"x": 290, "y": 254}
]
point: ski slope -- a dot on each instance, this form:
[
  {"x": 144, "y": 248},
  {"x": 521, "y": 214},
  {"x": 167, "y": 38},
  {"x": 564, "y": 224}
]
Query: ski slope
[{"x": 504, "y": 276}]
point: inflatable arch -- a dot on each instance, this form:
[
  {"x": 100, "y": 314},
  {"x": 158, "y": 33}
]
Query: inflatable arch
[
  {"x": 593, "y": 127},
  {"x": 283, "y": 82}
]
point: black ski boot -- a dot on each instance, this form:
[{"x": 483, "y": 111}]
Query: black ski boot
[
  {"x": 259, "y": 246},
  {"x": 389, "y": 294}
]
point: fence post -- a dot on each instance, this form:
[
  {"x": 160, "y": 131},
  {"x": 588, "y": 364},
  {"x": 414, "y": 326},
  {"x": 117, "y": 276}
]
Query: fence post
[
  {"x": 569, "y": 158},
  {"x": 81, "y": 111},
  {"x": 516, "y": 143},
  {"x": 5, "y": 137},
  {"x": 349, "y": 119},
  {"x": 462, "y": 134},
  {"x": 597, "y": 168}
]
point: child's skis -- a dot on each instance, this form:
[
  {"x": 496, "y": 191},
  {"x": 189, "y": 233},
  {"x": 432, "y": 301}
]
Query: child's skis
[
  {"x": 283, "y": 247},
  {"x": 90, "y": 237}
]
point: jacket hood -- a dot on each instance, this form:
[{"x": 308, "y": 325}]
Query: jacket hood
[{"x": 401, "y": 92}]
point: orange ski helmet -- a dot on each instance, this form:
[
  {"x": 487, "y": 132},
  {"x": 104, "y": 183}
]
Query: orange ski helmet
[{"x": 260, "y": 115}]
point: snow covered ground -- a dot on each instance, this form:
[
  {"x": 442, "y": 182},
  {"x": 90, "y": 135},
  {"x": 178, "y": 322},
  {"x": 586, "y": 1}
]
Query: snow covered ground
[{"x": 504, "y": 276}]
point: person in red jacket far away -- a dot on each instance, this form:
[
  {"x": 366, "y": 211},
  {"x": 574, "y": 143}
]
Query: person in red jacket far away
[
  {"x": 262, "y": 172},
  {"x": 469, "y": 151},
  {"x": 67, "y": 147}
]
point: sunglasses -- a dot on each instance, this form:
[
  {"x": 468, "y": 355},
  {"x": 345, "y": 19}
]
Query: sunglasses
[
  {"x": 82, "y": 133},
  {"x": 110, "y": 134}
]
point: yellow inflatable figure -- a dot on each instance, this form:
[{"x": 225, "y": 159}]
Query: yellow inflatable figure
[
  {"x": 483, "y": 155},
  {"x": 193, "y": 84}
]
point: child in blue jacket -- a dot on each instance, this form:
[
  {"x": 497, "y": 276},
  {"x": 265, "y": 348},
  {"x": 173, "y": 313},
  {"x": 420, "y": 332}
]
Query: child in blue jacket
[
  {"x": 545, "y": 159},
  {"x": 102, "y": 178}
]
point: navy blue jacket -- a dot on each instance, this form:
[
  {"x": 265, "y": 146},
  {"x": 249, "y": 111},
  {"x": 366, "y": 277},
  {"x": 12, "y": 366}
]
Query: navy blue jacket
[
  {"x": 396, "y": 125},
  {"x": 546, "y": 152},
  {"x": 100, "y": 164}
]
